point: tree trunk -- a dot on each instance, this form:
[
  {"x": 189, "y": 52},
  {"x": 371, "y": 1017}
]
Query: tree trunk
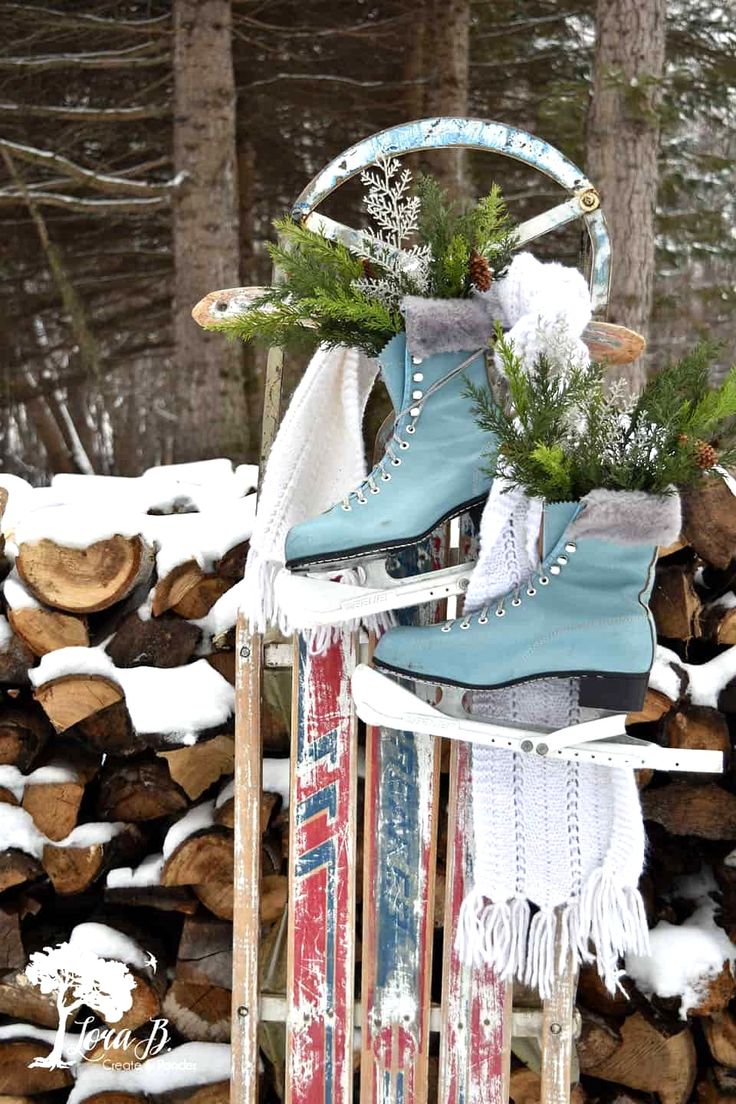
[
  {"x": 622, "y": 146},
  {"x": 208, "y": 370},
  {"x": 447, "y": 68}
]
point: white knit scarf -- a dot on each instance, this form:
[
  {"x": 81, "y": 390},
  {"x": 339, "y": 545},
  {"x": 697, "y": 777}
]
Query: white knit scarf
[
  {"x": 316, "y": 458},
  {"x": 565, "y": 839}
]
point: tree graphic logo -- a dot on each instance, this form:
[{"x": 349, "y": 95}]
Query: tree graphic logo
[{"x": 76, "y": 976}]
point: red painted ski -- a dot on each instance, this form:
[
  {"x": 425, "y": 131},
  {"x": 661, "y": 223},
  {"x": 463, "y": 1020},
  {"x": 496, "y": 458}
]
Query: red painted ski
[{"x": 319, "y": 1043}]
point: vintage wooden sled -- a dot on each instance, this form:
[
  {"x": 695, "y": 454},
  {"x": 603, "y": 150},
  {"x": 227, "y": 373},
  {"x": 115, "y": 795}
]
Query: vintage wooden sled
[{"x": 389, "y": 1002}]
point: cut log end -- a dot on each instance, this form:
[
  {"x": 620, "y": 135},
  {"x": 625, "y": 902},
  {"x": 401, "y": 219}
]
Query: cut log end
[{"x": 82, "y": 580}]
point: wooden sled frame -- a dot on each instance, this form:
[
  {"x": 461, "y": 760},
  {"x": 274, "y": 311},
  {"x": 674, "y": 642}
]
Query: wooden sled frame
[{"x": 475, "y": 1019}]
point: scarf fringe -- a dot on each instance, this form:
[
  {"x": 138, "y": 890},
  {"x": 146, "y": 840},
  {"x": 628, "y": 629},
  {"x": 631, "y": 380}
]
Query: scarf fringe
[
  {"x": 607, "y": 916},
  {"x": 262, "y": 611}
]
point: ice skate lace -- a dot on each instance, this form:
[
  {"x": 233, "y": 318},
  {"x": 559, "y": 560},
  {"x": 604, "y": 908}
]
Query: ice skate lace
[
  {"x": 396, "y": 441},
  {"x": 553, "y": 566}
]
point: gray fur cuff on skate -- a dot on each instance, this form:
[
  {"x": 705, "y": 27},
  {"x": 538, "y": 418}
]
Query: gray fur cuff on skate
[
  {"x": 629, "y": 517},
  {"x": 445, "y": 325}
]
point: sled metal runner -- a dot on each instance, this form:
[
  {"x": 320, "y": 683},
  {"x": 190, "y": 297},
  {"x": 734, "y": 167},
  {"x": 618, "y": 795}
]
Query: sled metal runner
[
  {"x": 320, "y": 1006},
  {"x": 380, "y": 700}
]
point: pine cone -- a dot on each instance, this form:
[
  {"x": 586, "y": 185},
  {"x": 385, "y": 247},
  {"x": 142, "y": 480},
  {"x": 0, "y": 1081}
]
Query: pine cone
[
  {"x": 479, "y": 271},
  {"x": 706, "y": 456}
]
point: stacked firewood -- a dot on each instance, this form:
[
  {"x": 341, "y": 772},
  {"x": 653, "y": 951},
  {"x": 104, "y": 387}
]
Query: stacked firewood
[
  {"x": 116, "y": 797},
  {"x": 117, "y": 635},
  {"x": 672, "y": 1028}
]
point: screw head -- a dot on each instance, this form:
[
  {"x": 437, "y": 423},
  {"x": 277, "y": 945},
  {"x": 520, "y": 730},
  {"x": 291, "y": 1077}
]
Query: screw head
[
  {"x": 245, "y": 652},
  {"x": 527, "y": 745},
  {"x": 242, "y": 1010},
  {"x": 555, "y": 1029},
  {"x": 542, "y": 749}
]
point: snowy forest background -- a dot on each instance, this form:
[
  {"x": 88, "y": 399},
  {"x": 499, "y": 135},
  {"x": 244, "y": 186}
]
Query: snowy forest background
[{"x": 145, "y": 147}]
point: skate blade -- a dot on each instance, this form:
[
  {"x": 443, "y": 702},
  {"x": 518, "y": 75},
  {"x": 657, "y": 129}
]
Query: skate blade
[
  {"x": 310, "y": 600},
  {"x": 384, "y": 703}
]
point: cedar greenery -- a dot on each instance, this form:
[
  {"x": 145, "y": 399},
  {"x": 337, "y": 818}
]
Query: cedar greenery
[
  {"x": 328, "y": 293},
  {"x": 560, "y": 434}
]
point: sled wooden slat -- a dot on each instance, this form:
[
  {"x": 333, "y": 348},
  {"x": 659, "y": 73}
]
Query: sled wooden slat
[
  {"x": 247, "y": 863},
  {"x": 321, "y": 942},
  {"x": 475, "y": 1045},
  {"x": 400, "y": 849},
  {"x": 557, "y": 1033}
]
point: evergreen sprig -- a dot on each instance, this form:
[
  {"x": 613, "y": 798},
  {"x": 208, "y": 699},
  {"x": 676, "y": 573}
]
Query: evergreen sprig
[
  {"x": 561, "y": 433},
  {"x": 328, "y": 293}
]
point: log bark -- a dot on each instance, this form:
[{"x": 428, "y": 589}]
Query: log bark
[
  {"x": 622, "y": 144},
  {"x": 165, "y": 641},
  {"x": 709, "y": 522},
  {"x": 675, "y": 603},
  {"x": 83, "y": 580},
  {"x": 212, "y": 419},
  {"x": 689, "y": 809},
  {"x": 23, "y": 735},
  {"x": 15, "y": 661},
  {"x": 138, "y": 790}
]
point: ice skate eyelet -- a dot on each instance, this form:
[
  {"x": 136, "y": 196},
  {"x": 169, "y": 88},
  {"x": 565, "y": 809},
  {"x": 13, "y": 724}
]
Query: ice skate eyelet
[
  {"x": 445, "y": 628},
  {"x": 418, "y": 377},
  {"x": 464, "y": 624},
  {"x": 531, "y": 591},
  {"x": 415, "y": 411},
  {"x": 375, "y": 490},
  {"x": 500, "y": 613},
  {"x": 543, "y": 580},
  {"x": 482, "y": 620},
  {"x": 386, "y": 477},
  {"x": 417, "y": 394},
  {"x": 347, "y": 509},
  {"x": 416, "y": 360},
  {"x": 404, "y": 445},
  {"x": 362, "y": 501},
  {"x": 555, "y": 569},
  {"x": 516, "y": 601},
  {"x": 396, "y": 462},
  {"x": 562, "y": 560},
  {"x": 410, "y": 429},
  {"x": 571, "y": 547}
]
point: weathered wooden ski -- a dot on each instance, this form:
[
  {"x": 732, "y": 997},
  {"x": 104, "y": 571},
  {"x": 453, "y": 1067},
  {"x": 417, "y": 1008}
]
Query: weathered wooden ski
[
  {"x": 324, "y": 778},
  {"x": 400, "y": 845},
  {"x": 475, "y": 1040}
]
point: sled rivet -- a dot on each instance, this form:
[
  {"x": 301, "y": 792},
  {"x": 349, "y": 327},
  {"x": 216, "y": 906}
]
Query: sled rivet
[
  {"x": 527, "y": 745},
  {"x": 221, "y": 305},
  {"x": 242, "y": 1010},
  {"x": 245, "y": 652},
  {"x": 463, "y": 584},
  {"x": 555, "y": 1029},
  {"x": 542, "y": 749}
]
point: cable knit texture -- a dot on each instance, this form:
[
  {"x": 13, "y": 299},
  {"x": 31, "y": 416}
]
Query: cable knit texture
[{"x": 559, "y": 847}]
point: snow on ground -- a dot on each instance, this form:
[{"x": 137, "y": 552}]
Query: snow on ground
[
  {"x": 188, "y": 1064},
  {"x": 178, "y": 702}
]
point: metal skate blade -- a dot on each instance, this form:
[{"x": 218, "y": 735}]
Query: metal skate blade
[
  {"x": 312, "y": 600},
  {"x": 384, "y": 703}
]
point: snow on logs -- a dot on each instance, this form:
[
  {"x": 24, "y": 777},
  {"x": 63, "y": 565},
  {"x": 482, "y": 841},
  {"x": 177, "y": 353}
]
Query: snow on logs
[
  {"x": 119, "y": 601},
  {"x": 116, "y": 786}
]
